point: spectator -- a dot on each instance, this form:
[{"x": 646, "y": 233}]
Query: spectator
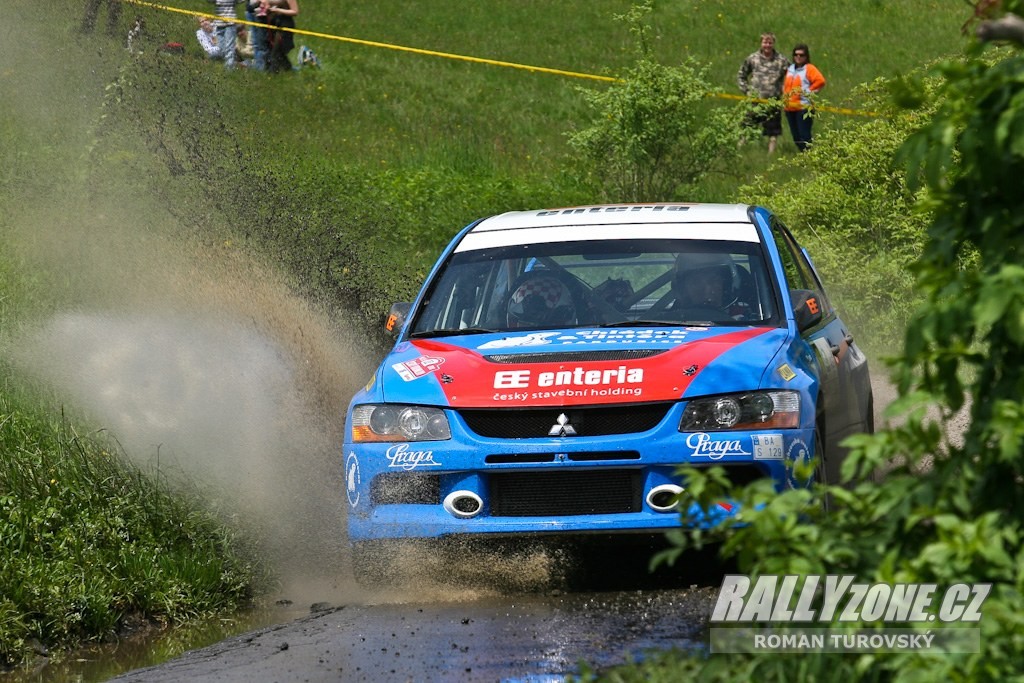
[
  {"x": 256, "y": 12},
  {"x": 207, "y": 37},
  {"x": 761, "y": 76},
  {"x": 282, "y": 14},
  {"x": 135, "y": 36},
  {"x": 244, "y": 48},
  {"x": 92, "y": 8},
  {"x": 803, "y": 81},
  {"x": 226, "y": 30}
]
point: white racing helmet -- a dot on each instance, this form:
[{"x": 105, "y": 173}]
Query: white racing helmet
[{"x": 541, "y": 301}]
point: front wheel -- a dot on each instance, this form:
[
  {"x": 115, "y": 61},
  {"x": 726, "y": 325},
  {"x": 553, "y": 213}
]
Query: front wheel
[{"x": 821, "y": 474}]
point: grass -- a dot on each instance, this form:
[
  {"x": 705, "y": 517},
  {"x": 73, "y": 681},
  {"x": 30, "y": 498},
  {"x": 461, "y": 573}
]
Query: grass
[
  {"x": 92, "y": 542},
  {"x": 349, "y": 178},
  {"x": 512, "y": 114}
]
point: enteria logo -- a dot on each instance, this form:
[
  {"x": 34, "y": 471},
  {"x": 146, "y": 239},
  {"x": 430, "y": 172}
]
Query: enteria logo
[{"x": 835, "y": 598}]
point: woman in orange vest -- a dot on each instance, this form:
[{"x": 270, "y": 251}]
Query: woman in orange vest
[{"x": 803, "y": 80}]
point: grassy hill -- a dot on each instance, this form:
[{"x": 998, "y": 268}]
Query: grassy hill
[
  {"x": 133, "y": 183},
  {"x": 390, "y": 152},
  {"x": 381, "y": 106}
]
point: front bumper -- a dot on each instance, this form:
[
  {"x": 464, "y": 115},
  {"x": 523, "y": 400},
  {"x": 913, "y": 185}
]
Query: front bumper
[{"x": 550, "y": 486}]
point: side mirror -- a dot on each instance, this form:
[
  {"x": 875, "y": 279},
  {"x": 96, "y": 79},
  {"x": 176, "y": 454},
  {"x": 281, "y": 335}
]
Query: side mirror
[
  {"x": 806, "y": 308},
  {"x": 396, "y": 316}
]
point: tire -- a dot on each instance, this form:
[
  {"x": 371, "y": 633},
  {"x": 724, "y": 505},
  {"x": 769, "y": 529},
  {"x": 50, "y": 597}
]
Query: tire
[
  {"x": 869, "y": 421},
  {"x": 821, "y": 474}
]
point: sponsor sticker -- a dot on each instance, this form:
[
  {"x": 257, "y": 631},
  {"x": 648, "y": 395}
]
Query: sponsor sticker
[
  {"x": 590, "y": 337},
  {"x": 577, "y": 377},
  {"x": 703, "y": 445},
  {"x": 352, "y": 479},
  {"x": 400, "y": 456},
  {"x": 797, "y": 455},
  {"x": 532, "y": 339},
  {"x": 786, "y": 372},
  {"x": 417, "y": 367},
  {"x": 798, "y": 452}
]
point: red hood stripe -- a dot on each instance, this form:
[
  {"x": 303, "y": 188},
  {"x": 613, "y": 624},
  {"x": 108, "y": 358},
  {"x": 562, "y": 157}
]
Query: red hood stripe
[{"x": 473, "y": 382}]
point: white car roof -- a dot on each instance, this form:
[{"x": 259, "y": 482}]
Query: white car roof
[{"x": 646, "y": 221}]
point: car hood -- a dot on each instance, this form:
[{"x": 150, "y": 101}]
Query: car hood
[{"x": 579, "y": 366}]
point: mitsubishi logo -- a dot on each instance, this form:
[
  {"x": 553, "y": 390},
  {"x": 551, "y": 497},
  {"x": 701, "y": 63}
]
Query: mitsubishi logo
[{"x": 562, "y": 427}]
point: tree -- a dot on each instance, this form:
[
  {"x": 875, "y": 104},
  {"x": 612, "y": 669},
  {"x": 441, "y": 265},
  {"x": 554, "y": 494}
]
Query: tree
[{"x": 948, "y": 511}]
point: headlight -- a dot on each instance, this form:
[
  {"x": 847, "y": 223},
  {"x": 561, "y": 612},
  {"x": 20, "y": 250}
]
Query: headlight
[
  {"x": 383, "y": 422},
  {"x": 755, "y": 410}
]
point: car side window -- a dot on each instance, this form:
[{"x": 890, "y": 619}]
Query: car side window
[{"x": 799, "y": 273}]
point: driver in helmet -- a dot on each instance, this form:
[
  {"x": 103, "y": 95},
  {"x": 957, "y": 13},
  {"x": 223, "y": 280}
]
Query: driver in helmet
[
  {"x": 705, "y": 283},
  {"x": 541, "y": 301}
]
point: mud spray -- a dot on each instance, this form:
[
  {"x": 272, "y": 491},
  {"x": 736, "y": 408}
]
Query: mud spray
[
  {"x": 191, "y": 352},
  {"x": 211, "y": 374},
  {"x": 208, "y": 373}
]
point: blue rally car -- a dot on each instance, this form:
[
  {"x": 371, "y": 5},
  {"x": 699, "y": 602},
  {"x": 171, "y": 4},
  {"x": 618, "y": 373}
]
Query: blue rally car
[{"x": 559, "y": 365}]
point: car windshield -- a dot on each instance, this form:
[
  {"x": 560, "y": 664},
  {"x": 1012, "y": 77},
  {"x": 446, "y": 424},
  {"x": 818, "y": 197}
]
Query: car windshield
[{"x": 572, "y": 284}]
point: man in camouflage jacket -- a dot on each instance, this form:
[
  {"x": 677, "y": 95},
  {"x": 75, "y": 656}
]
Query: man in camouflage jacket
[{"x": 760, "y": 77}]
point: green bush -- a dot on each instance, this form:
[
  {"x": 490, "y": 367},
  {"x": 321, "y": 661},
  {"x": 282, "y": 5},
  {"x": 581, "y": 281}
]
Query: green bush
[
  {"x": 848, "y": 202},
  {"x": 655, "y": 135},
  {"x": 948, "y": 511}
]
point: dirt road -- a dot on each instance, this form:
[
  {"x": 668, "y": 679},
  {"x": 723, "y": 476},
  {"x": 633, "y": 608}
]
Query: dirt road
[{"x": 523, "y": 638}]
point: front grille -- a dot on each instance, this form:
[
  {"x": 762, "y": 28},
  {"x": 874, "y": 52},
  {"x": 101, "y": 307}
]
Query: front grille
[
  {"x": 590, "y": 456},
  {"x": 573, "y": 356},
  {"x": 738, "y": 474},
  {"x": 586, "y": 456},
  {"x": 530, "y": 424},
  {"x": 518, "y": 458},
  {"x": 741, "y": 475},
  {"x": 553, "y": 494},
  {"x": 403, "y": 488}
]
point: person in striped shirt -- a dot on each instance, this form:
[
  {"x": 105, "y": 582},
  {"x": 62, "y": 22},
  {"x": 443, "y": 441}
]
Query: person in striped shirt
[{"x": 226, "y": 30}]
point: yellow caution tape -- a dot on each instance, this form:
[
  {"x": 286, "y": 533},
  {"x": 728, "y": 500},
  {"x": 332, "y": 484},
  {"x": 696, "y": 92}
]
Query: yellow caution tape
[
  {"x": 449, "y": 55},
  {"x": 371, "y": 43},
  {"x": 758, "y": 100}
]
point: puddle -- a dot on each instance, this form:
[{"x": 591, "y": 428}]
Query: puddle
[{"x": 102, "y": 662}]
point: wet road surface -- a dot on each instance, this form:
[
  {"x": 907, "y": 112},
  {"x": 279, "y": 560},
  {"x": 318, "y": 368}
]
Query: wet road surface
[{"x": 495, "y": 638}]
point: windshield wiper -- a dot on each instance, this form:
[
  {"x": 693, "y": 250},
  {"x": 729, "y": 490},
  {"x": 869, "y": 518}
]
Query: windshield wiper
[
  {"x": 451, "y": 332},
  {"x": 659, "y": 323}
]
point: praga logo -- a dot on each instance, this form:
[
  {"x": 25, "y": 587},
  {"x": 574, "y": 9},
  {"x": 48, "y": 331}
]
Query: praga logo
[
  {"x": 702, "y": 445},
  {"x": 401, "y": 457}
]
